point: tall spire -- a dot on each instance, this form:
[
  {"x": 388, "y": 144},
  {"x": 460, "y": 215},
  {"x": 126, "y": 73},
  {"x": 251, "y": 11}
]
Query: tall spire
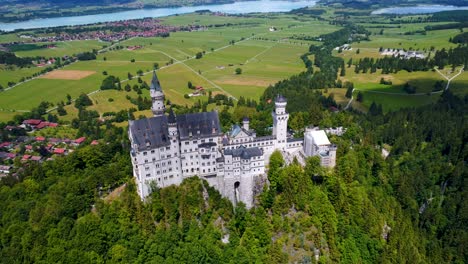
[
  {"x": 155, "y": 85},
  {"x": 157, "y": 96},
  {"x": 172, "y": 118}
]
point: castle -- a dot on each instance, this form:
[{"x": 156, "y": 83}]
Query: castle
[{"x": 166, "y": 149}]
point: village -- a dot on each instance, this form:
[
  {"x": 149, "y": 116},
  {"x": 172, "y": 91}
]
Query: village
[
  {"x": 108, "y": 31},
  {"x": 28, "y": 148}
]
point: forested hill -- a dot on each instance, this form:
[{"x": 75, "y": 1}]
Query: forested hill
[
  {"x": 30, "y": 9},
  {"x": 408, "y": 208},
  {"x": 386, "y": 3}
]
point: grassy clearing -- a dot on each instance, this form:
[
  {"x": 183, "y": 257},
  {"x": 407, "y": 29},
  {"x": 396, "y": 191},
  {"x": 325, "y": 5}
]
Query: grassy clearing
[
  {"x": 64, "y": 48},
  {"x": 395, "y": 102},
  {"x": 423, "y": 81},
  {"x": 438, "y": 39},
  {"x": 15, "y": 74},
  {"x": 6, "y": 116}
]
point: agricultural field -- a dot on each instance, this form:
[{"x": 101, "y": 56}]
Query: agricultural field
[
  {"x": 263, "y": 62},
  {"x": 63, "y": 48},
  {"x": 438, "y": 39},
  {"x": 14, "y": 74},
  {"x": 264, "y": 56}
]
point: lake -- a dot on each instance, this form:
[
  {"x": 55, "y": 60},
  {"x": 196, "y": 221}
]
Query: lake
[
  {"x": 263, "y": 6},
  {"x": 420, "y": 9}
]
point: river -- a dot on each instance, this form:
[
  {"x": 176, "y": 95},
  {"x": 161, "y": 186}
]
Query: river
[
  {"x": 420, "y": 9},
  {"x": 263, "y": 6}
]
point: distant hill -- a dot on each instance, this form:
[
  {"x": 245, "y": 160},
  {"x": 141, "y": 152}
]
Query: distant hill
[
  {"x": 17, "y": 10},
  {"x": 386, "y": 3}
]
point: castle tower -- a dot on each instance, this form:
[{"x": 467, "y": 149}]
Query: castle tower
[
  {"x": 245, "y": 123},
  {"x": 280, "y": 121},
  {"x": 172, "y": 125},
  {"x": 157, "y": 96}
]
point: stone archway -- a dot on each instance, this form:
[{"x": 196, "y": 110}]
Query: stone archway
[{"x": 236, "y": 192}]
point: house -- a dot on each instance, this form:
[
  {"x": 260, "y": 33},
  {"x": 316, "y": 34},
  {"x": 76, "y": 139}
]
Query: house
[
  {"x": 26, "y": 157},
  {"x": 5, "y": 169},
  {"x": 36, "y": 158},
  {"x": 32, "y": 122},
  {"x": 59, "y": 151},
  {"x": 46, "y": 124},
  {"x": 40, "y": 139},
  {"x": 78, "y": 141},
  {"x": 94, "y": 143},
  {"x": 5, "y": 145},
  {"x": 7, "y": 155}
]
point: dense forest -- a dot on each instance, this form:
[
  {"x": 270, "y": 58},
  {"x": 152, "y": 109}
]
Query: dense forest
[
  {"x": 408, "y": 208},
  {"x": 363, "y": 4}
]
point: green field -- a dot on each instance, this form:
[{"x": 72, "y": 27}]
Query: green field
[
  {"x": 263, "y": 62},
  {"x": 64, "y": 48},
  {"x": 264, "y": 56}
]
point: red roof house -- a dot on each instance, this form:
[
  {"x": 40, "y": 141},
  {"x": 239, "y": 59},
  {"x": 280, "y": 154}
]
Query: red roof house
[
  {"x": 32, "y": 122},
  {"x": 80, "y": 140},
  {"x": 5, "y": 145},
  {"x": 36, "y": 158},
  {"x": 40, "y": 138},
  {"x": 59, "y": 151},
  {"x": 26, "y": 157}
]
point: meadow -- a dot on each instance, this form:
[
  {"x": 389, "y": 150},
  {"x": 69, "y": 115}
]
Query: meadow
[
  {"x": 263, "y": 62},
  {"x": 264, "y": 56}
]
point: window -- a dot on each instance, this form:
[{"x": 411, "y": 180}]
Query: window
[
  {"x": 147, "y": 175},
  {"x": 145, "y": 153},
  {"x": 186, "y": 142}
]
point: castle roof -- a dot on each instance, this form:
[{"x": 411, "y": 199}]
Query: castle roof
[
  {"x": 320, "y": 138},
  {"x": 243, "y": 152},
  {"x": 236, "y": 129},
  {"x": 198, "y": 125},
  {"x": 172, "y": 118},
  {"x": 150, "y": 133},
  {"x": 153, "y": 132},
  {"x": 280, "y": 99},
  {"x": 155, "y": 85}
]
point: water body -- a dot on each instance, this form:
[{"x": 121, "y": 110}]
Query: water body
[
  {"x": 263, "y": 6},
  {"x": 420, "y": 9}
]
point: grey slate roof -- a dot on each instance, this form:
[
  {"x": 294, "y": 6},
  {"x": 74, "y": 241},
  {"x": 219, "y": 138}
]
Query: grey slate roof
[
  {"x": 198, "y": 125},
  {"x": 243, "y": 152},
  {"x": 294, "y": 139},
  {"x": 236, "y": 129},
  {"x": 155, "y": 85},
  {"x": 171, "y": 119},
  {"x": 150, "y": 133},
  {"x": 280, "y": 99}
]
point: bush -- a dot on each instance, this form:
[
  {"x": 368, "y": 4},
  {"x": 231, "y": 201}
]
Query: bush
[{"x": 238, "y": 71}]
